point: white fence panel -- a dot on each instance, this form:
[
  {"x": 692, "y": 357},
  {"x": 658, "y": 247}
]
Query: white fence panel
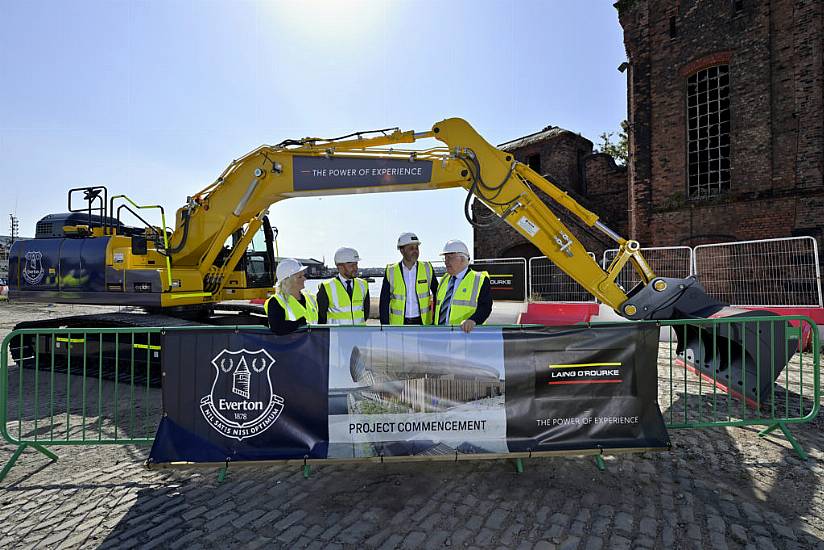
[
  {"x": 665, "y": 261},
  {"x": 763, "y": 273},
  {"x": 547, "y": 283}
]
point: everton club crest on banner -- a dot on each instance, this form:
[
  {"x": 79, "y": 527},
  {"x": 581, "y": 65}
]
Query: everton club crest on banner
[
  {"x": 242, "y": 402},
  {"x": 243, "y": 396},
  {"x": 405, "y": 391}
]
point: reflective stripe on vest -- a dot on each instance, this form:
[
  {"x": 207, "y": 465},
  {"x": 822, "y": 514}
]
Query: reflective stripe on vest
[
  {"x": 311, "y": 307},
  {"x": 464, "y": 297},
  {"x": 342, "y": 310},
  {"x": 397, "y": 292},
  {"x": 292, "y": 308}
]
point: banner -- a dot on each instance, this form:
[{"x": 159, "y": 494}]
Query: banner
[
  {"x": 313, "y": 173},
  {"x": 583, "y": 388},
  {"x": 367, "y": 392}
]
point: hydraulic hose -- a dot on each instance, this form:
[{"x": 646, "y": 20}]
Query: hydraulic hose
[
  {"x": 175, "y": 249},
  {"x": 477, "y": 181}
]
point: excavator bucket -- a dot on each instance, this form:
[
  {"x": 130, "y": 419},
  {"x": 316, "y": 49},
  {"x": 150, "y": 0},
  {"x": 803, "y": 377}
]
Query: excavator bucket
[
  {"x": 740, "y": 356},
  {"x": 743, "y": 358}
]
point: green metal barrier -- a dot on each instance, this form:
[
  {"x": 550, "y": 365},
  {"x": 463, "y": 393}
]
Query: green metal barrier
[
  {"x": 690, "y": 399},
  {"x": 78, "y": 387},
  {"x": 95, "y": 386}
]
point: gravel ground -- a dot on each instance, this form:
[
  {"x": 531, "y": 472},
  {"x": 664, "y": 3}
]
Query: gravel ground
[{"x": 718, "y": 488}]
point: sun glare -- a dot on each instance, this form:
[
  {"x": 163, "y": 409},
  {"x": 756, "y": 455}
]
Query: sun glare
[{"x": 325, "y": 20}]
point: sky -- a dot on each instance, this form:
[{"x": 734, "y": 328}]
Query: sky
[{"x": 153, "y": 99}]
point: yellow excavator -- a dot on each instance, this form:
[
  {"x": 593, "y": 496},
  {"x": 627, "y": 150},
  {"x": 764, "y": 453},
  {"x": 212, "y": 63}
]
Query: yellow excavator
[{"x": 90, "y": 256}]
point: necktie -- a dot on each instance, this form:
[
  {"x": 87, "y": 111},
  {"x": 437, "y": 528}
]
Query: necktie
[
  {"x": 349, "y": 288},
  {"x": 442, "y": 317}
]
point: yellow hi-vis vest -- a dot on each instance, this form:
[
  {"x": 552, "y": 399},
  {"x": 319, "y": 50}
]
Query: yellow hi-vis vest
[
  {"x": 342, "y": 310},
  {"x": 293, "y": 309},
  {"x": 397, "y": 292},
  {"x": 464, "y": 296}
]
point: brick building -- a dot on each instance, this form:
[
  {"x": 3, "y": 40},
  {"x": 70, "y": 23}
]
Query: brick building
[
  {"x": 567, "y": 160},
  {"x": 726, "y": 112}
]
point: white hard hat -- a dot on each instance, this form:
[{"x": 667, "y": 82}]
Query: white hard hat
[
  {"x": 455, "y": 246},
  {"x": 346, "y": 255},
  {"x": 408, "y": 238},
  {"x": 288, "y": 267}
]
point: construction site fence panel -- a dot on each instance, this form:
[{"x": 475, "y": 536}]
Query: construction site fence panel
[
  {"x": 763, "y": 273},
  {"x": 100, "y": 386},
  {"x": 665, "y": 261},
  {"x": 547, "y": 283}
]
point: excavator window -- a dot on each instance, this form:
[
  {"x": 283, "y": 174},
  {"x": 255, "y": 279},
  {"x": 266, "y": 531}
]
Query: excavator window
[{"x": 258, "y": 272}]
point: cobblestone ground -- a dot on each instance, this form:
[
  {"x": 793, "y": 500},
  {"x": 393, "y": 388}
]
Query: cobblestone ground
[{"x": 718, "y": 488}]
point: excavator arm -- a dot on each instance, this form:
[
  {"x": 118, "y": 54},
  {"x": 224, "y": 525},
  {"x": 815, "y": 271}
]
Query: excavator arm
[{"x": 362, "y": 163}]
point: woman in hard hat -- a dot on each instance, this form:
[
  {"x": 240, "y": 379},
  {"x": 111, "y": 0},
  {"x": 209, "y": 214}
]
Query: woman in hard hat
[{"x": 291, "y": 306}]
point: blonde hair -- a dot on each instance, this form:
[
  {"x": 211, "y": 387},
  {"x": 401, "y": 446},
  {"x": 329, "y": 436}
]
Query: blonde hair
[{"x": 285, "y": 285}]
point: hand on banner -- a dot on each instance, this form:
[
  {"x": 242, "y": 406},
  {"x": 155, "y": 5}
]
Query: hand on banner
[{"x": 467, "y": 326}]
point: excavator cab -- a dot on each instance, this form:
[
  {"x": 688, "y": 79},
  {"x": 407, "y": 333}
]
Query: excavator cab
[{"x": 257, "y": 266}]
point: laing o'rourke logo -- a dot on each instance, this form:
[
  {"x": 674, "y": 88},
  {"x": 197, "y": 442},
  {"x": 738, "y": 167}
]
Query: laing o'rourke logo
[
  {"x": 33, "y": 270},
  {"x": 585, "y": 373},
  {"x": 501, "y": 281},
  {"x": 242, "y": 403}
]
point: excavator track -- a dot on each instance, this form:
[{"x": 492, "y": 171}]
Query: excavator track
[{"x": 131, "y": 358}]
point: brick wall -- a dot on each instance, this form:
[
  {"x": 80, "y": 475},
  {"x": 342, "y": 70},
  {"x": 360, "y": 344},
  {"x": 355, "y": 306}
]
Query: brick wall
[
  {"x": 593, "y": 180},
  {"x": 774, "y": 52},
  {"x": 607, "y": 192}
]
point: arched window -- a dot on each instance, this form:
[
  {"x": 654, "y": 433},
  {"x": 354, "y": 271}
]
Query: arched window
[{"x": 708, "y": 132}]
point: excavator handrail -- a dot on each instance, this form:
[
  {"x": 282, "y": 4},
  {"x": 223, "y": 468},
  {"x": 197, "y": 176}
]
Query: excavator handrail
[{"x": 162, "y": 221}]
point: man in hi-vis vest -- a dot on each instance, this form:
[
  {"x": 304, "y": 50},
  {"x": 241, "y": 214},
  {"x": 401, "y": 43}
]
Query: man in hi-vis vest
[
  {"x": 409, "y": 287},
  {"x": 344, "y": 300},
  {"x": 464, "y": 295}
]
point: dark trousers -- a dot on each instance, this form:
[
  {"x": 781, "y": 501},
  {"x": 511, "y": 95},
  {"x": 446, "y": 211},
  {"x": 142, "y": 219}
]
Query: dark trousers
[{"x": 412, "y": 321}]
